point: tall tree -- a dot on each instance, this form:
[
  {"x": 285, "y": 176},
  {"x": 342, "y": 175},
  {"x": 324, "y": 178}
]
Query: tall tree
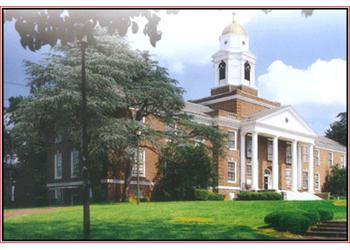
[
  {"x": 338, "y": 129},
  {"x": 49, "y": 27}
]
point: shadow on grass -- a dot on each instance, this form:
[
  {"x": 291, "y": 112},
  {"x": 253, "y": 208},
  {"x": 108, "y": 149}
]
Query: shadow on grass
[{"x": 130, "y": 230}]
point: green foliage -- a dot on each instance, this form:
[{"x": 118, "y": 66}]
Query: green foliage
[
  {"x": 273, "y": 218},
  {"x": 313, "y": 216},
  {"x": 338, "y": 129},
  {"x": 181, "y": 169},
  {"x": 325, "y": 214},
  {"x": 259, "y": 196},
  {"x": 215, "y": 197},
  {"x": 204, "y": 195},
  {"x": 294, "y": 223},
  {"x": 336, "y": 181},
  {"x": 201, "y": 194}
]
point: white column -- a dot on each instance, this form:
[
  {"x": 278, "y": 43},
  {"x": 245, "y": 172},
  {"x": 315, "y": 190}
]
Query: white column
[
  {"x": 294, "y": 166},
  {"x": 255, "y": 166},
  {"x": 311, "y": 170},
  {"x": 242, "y": 150},
  {"x": 275, "y": 163},
  {"x": 300, "y": 167}
]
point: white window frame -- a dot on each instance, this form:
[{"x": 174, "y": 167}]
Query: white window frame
[
  {"x": 318, "y": 186},
  {"x": 342, "y": 161},
  {"x": 269, "y": 150},
  {"x": 56, "y": 158},
  {"x": 305, "y": 180},
  {"x": 289, "y": 156},
  {"x": 235, "y": 139},
  {"x": 317, "y": 157},
  {"x": 332, "y": 159},
  {"x": 143, "y": 173},
  {"x": 306, "y": 154},
  {"x": 249, "y": 147},
  {"x": 56, "y": 192},
  {"x": 72, "y": 174},
  {"x": 288, "y": 179},
  {"x": 235, "y": 171}
]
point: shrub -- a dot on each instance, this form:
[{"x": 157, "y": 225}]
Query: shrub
[
  {"x": 273, "y": 218},
  {"x": 294, "y": 223},
  {"x": 325, "y": 214},
  {"x": 259, "y": 196},
  {"x": 201, "y": 195},
  {"x": 313, "y": 216},
  {"x": 215, "y": 196}
]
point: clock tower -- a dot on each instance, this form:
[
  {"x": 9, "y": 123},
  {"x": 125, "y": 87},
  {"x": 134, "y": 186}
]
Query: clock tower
[{"x": 234, "y": 64}]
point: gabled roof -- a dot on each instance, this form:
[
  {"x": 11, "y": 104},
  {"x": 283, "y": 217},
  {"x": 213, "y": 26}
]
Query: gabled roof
[
  {"x": 284, "y": 117},
  {"x": 325, "y": 142}
]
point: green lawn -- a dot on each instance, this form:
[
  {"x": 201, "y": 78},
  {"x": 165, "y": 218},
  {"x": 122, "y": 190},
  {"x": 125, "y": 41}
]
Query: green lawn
[{"x": 212, "y": 220}]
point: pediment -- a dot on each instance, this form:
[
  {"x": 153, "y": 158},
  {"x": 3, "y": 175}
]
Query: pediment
[{"x": 287, "y": 119}]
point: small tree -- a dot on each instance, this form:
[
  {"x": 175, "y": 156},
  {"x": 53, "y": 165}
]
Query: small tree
[
  {"x": 338, "y": 129},
  {"x": 181, "y": 169},
  {"x": 336, "y": 181}
]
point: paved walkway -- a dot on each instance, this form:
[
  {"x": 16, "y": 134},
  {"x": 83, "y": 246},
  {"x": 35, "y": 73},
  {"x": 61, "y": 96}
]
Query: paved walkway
[{"x": 28, "y": 211}]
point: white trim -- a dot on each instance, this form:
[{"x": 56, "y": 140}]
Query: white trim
[
  {"x": 238, "y": 97},
  {"x": 235, "y": 172},
  {"x": 330, "y": 152},
  {"x": 228, "y": 187},
  {"x": 72, "y": 175},
  {"x": 64, "y": 184},
  {"x": 318, "y": 158},
  {"x": 118, "y": 181},
  {"x": 235, "y": 139},
  {"x": 56, "y": 156},
  {"x": 318, "y": 188},
  {"x": 226, "y": 122},
  {"x": 329, "y": 149}
]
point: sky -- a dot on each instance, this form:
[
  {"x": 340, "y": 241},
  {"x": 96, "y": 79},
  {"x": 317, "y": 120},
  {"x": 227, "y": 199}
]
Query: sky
[{"x": 301, "y": 61}]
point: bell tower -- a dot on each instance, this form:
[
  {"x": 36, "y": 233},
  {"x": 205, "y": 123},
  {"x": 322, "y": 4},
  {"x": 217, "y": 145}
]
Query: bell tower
[{"x": 234, "y": 64}]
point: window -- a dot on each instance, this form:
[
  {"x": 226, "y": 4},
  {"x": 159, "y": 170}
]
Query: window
[
  {"x": 330, "y": 159},
  {"x": 222, "y": 70},
  {"x": 342, "y": 161},
  {"x": 288, "y": 178},
  {"x": 74, "y": 163},
  {"x": 317, "y": 157},
  {"x": 305, "y": 180},
  {"x": 142, "y": 164},
  {"x": 249, "y": 147},
  {"x": 306, "y": 153},
  {"x": 58, "y": 138},
  {"x": 288, "y": 153},
  {"x": 58, "y": 195},
  {"x": 317, "y": 181},
  {"x": 58, "y": 165},
  {"x": 231, "y": 171},
  {"x": 247, "y": 71},
  {"x": 248, "y": 172},
  {"x": 269, "y": 150},
  {"x": 232, "y": 138}
]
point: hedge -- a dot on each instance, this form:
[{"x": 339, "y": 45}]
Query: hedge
[
  {"x": 325, "y": 214},
  {"x": 294, "y": 223},
  {"x": 204, "y": 195},
  {"x": 297, "y": 221},
  {"x": 259, "y": 196}
]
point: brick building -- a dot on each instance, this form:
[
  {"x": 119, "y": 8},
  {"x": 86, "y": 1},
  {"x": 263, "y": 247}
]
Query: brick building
[{"x": 270, "y": 146}]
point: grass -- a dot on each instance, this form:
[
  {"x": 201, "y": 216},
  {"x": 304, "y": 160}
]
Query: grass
[{"x": 200, "y": 220}]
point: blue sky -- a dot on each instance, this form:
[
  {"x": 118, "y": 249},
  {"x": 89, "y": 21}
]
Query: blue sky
[{"x": 300, "y": 61}]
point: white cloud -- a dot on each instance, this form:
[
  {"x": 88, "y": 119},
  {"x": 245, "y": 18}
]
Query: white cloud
[
  {"x": 322, "y": 82},
  {"x": 189, "y": 37}
]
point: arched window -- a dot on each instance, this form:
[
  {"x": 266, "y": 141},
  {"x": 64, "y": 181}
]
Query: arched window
[
  {"x": 222, "y": 70},
  {"x": 247, "y": 71}
]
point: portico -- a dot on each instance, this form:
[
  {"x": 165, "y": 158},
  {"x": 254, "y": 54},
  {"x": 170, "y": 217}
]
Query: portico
[{"x": 275, "y": 127}]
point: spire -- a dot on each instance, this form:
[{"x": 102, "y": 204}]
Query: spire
[{"x": 233, "y": 17}]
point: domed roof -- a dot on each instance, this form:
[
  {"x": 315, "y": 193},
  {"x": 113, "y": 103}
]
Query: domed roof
[{"x": 234, "y": 28}]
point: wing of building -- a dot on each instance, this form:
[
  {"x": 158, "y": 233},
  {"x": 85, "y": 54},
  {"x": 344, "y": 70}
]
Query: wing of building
[{"x": 270, "y": 146}]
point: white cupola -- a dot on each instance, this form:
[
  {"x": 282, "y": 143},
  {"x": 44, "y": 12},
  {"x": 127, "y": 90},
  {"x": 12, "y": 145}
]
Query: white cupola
[{"x": 234, "y": 64}]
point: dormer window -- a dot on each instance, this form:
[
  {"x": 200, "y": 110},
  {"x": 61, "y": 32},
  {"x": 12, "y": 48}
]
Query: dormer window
[
  {"x": 222, "y": 70},
  {"x": 247, "y": 71}
]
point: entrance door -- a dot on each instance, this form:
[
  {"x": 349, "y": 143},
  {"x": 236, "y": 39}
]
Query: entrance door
[{"x": 267, "y": 179}]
